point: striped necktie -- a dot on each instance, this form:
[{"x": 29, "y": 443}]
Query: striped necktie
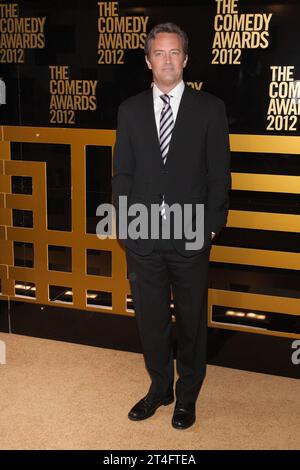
[{"x": 166, "y": 126}]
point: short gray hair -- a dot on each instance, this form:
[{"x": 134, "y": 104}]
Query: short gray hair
[{"x": 166, "y": 28}]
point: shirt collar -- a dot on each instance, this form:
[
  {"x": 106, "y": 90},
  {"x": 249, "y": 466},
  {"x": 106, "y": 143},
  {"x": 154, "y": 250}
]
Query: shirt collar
[{"x": 176, "y": 92}]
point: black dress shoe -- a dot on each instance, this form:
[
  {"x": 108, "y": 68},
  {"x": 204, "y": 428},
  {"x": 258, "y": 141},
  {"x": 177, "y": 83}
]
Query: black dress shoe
[
  {"x": 146, "y": 407},
  {"x": 183, "y": 417}
]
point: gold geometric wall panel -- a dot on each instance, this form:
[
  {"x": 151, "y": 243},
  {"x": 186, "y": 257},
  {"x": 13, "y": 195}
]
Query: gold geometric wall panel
[
  {"x": 35, "y": 282},
  {"x": 261, "y": 221}
]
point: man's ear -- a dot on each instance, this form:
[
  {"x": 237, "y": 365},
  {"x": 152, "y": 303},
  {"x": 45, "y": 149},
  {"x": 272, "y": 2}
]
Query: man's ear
[
  {"x": 148, "y": 62},
  {"x": 185, "y": 60}
]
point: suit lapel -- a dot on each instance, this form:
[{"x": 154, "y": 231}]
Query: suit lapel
[
  {"x": 181, "y": 122},
  {"x": 150, "y": 127}
]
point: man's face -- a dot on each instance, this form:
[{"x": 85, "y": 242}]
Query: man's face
[{"x": 166, "y": 60}]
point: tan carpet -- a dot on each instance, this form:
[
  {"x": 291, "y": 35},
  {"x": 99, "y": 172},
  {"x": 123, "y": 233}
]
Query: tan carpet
[{"x": 57, "y": 395}]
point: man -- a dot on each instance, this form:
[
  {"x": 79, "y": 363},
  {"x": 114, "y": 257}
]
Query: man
[{"x": 172, "y": 148}]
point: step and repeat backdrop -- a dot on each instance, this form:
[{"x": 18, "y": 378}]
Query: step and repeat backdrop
[{"x": 65, "y": 68}]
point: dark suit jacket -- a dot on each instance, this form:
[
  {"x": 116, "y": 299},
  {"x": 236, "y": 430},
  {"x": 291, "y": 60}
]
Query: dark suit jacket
[{"x": 197, "y": 167}]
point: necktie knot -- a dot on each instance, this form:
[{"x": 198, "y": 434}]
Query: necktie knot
[{"x": 166, "y": 98}]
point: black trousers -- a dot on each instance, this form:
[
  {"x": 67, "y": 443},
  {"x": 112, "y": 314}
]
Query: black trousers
[{"x": 151, "y": 278}]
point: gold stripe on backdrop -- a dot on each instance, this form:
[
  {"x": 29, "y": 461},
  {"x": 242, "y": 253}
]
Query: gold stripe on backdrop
[
  {"x": 264, "y": 221},
  {"x": 267, "y": 183},
  {"x": 251, "y": 302}
]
